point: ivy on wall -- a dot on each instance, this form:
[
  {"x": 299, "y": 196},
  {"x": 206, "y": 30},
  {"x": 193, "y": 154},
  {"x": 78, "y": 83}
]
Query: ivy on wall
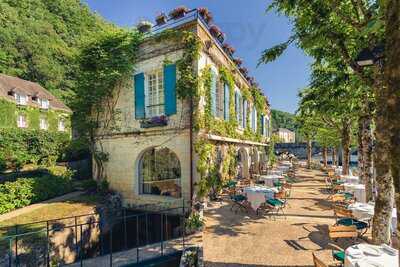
[{"x": 9, "y": 112}]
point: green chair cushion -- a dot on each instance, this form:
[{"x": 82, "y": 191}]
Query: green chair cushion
[
  {"x": 274, "y": 202},
  {"x": 349, "y": 222},
  {"x": 338, "y": 255},
  {"x": 239, "y": 198}
]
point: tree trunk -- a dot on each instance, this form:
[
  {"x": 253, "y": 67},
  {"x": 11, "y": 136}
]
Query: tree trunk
[
  {"x": 325, "y": 156},
  {"x": 309, "y": 153},
  {"x": 384, "y": 182},
  {"x": 334, "y": 159},
  {"x": 366, "y": 174},
  {"x": 346, "y": 146},
  {"x": 360, "y": 155},
  {"x": 392, "y": 82}
]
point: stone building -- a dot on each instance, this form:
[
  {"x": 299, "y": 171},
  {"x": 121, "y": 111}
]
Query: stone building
[
  {"x": 156, "y": 155},
  {"x": 286, "y": 135},
  {"x": 27, "y": 105}
]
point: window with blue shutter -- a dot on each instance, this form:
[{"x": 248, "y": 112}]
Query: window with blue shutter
[
  {"x": 226, "y": 101},
  {"x": 244, "y": 114},
  {"x": 262, "y": 125},
  {"x": 170, "y": 89},
  {"x": 139, "y": 96},
  {"x": 213, "y": 92}
]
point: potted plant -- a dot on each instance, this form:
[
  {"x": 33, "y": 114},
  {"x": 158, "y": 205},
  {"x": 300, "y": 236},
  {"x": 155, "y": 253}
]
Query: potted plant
[
  {"x": 144, "y": 26},
  {"x": 205, "y": 14},
  {"x": 154, "y": 122},
  {"x": 228, "y": 49},
  {"x": 217, "y": 33},
  {"x": 161, "y": 19},
  {"x": 238, "y": 61},
  {"x": 244, "y": 71},
  {"x": 178, "y": 12}
]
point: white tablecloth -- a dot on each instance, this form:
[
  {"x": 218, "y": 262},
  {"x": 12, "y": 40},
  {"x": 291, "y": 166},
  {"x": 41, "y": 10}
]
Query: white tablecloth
[
  {"x": 275, "y": 172},
  {"x": 257, "y": 195},
  {"x": 338, "y": 170},
  {"x": 350, "y": 179},
  {"x": 385, "y": 260},
  {"x": 358, "y": 190},
  {"x": 285, "y": 163},
  {"x": 283, "y": 168},
  {"x": 366, "y": 211},
  {"x": 270, "y": 179}
]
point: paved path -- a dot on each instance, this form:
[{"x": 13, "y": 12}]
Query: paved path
[
  {"x": 249, "y": 240},
  {"x": 36, "y": 206}
]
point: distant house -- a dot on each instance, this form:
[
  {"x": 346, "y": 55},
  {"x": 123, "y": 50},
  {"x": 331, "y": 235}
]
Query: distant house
[
  {"x": 286, "y": 136},
  {"x": 25, "y": 104}
]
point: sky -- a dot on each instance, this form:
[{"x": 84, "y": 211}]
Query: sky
[{"x": 247, "y": 27}]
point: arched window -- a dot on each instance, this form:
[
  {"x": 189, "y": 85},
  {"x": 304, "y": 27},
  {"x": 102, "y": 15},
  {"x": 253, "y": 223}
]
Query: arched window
[{"x": 160, "y": 173}]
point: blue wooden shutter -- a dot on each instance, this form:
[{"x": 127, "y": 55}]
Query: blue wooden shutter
[
  {"x": 244, "y": 113},
  {"x": 226, "y": 102},
  {"x": 213, "y": 92},
  {"x": 139, "y": 96},
  {"x": 237, "y": 105},
  {"x": 170, "y": 89},
  {"x": 262, "y": 124}
]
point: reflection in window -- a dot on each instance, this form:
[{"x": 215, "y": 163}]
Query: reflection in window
[{"x": 160, "y": 173}]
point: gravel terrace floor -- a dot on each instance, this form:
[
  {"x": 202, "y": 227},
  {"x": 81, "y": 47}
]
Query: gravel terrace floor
[{"x": 249, "y": 240}]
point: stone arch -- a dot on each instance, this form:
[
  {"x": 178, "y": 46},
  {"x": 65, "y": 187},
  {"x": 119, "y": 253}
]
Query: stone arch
[
  {"x": 243, "y": 162},
  {"x": 159, "y": 172}
]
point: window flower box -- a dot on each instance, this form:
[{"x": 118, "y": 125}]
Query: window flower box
[
  {"x": 144, "y": 26},
  {"x": 158, "y": 121},
  {"x": 178, "y": 12},
  {"x": 205, "y": 14},
  {"x": 161, "y": 19}
]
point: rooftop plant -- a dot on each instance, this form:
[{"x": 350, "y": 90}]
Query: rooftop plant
[
  {"x": 144, "y": 26},
  {"x": 217, "y": 33},
  {"x": 161, "y": 19},
  {"x": 238, "y": 61},
  {"x": 229, "y": 49},
  {"x": 205, "y": 14},
  {"x": 244, "y": 71},
  {"x": 178, "y": 12}
]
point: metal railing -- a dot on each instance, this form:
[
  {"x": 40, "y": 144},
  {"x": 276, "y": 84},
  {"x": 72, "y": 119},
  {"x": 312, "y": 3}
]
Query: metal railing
[{"x": 92, "y": 237}]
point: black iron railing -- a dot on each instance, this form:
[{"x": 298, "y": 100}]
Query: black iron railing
[{"x": 91, "y": 238}]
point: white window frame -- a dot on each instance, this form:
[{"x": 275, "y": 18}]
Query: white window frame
[
  {"x": 61, "y": 125},
  {"x": 21, "y": 121},
  {"x": 159, "y": 106},
  {"x": 43, "y": 124},
  {"x": 21, "y": 99},
  {"x": 43, "y": 103}
]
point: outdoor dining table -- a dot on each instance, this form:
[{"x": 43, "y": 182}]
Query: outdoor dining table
[
  {"x": 283, "y": 168},
  {"x": 365, "y": 211},
  {"x": 257, "y": 195},
  {"x": 338, "y": 170},
  {"x": 358, "y": 190},
  {"x": 366, "y": 255},
  {"x": 270, "y": 179},
  {"x": 275, "y": 172},
  {"x": 351, "y": 179},
  {"x": 286, "y": 163}
]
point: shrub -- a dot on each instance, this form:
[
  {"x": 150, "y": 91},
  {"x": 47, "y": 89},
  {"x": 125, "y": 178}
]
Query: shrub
[
  {"x": 26, "y": 191},
  {"x": 19, "y": 147}
]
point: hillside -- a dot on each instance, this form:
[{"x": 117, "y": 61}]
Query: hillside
[
  {"x": 281, "y": 119},
  {"x": 40, "y": 38}
]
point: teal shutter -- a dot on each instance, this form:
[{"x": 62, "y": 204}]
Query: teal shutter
[
  {"x": 226, "y": 102},
  {"x": 262, "y": 125},
  {"x": 213, "y": 92},
  {"x": 139, "y": 96},
  {"x": 237, "y": 105},
  {"x": 244, "y": 114},
  {"x": 170, "y": 89}
]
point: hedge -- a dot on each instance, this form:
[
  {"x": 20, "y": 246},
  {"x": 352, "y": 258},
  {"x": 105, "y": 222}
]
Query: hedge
[
  {"x": 19, "y": 147},
  {"x": 26, "y": 191}
]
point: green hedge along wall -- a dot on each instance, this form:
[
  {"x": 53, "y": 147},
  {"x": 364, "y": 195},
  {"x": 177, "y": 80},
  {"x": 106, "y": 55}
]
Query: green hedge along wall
[{"x": 19, "y": 147}]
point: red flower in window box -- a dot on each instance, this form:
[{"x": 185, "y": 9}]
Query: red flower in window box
[
  {"x": 244, "y": 71},
  {"x": 156, "y": 121},
  {"x": 229, "y": 49},
  {"x": 217, "y": 33},
  {"x": 238, "y": 61},
  {"x": 205, "y": 14},
  {"x": 178, "y": 12},
  {"x": 161, "y": 19}
]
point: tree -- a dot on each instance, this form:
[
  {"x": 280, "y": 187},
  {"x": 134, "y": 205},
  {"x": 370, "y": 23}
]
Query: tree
[{"x": 337, "y": 31}]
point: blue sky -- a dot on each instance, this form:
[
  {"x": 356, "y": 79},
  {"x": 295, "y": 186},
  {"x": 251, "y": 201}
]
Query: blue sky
[{"x": 247, "y": 27}]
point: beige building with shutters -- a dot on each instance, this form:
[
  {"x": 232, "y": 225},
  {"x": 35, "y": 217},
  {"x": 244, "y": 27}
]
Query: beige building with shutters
[{"x": 152, "y": 157}]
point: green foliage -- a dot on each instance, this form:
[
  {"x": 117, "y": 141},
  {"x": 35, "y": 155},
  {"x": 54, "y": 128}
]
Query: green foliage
[
  {"x": 19, "y": 147},
  {"x": 281, "y": 119},
  {"x": 272, "y": 159},
  {"x": 9, "y": 112},
  {"x": 205, "y": 167},
  {"x": 271, "y": 54},
  {"x": 194, "y": 222},
  {"x": 106, "y": 65},
  {"x": 40, "y": 39},
  {"x": 26, "y": 191}
]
